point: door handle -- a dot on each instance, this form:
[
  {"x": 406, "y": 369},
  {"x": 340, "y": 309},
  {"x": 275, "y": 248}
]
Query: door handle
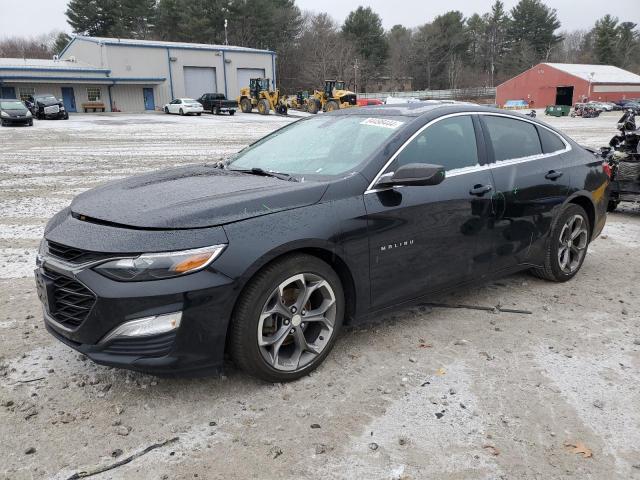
[
  {"x": 480, "y": 190},
  {"x": 553, "y": 175}
]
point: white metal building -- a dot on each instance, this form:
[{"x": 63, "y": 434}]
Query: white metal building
[{"x": 135, "y": 75}]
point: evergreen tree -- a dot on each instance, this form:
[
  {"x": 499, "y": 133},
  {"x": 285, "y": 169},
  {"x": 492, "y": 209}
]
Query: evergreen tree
[
  {"x": 605, "y": 44},
  {"x": 531, "y": 31},
  {"x": 363, "y": 27},
  {"x": 61, "y": 41}
]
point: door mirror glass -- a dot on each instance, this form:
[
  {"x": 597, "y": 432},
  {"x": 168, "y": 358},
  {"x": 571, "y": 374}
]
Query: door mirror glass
[{"x": 413, "y": 174}]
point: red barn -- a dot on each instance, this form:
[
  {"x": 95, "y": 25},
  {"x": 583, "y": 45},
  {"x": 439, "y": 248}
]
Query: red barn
[{"x": 567, "y": 83}]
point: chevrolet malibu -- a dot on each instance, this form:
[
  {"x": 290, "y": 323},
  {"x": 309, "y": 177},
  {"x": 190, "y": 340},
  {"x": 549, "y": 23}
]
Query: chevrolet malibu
[{"x": 328, "y": 221}]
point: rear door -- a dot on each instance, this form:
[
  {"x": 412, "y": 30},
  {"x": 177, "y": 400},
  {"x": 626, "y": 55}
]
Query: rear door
[
  {"x": 531, "y": 179},
  {"x": 424, "y": 238}
]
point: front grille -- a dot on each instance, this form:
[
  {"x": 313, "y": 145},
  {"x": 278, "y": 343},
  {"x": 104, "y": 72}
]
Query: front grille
[
  {"x": 628, "y": 171},
  {"x": 75, "y": 255},
  {"x": 155, "y": 346},
  {"x": 71, "y": 302}
]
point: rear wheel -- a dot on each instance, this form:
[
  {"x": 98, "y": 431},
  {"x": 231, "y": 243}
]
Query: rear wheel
[
  {"x": 263, "y": 107},
  {"x": 287, "y": 319},
  {"x": 245, "y": 105},
  {"x": 567, "y": 245}
]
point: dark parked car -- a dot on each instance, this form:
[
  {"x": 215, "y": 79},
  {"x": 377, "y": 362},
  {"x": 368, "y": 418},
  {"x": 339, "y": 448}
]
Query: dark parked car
[
  {"x": 217, "y": 103},
  {"x": 14, "y": 112},
  {"x": 329, "y": 220},
  {"x": 47, "y": 107}
]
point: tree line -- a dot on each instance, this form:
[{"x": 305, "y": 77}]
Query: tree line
[{"x": 450, "y": 51}]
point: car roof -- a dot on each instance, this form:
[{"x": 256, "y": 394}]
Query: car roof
[
  {"x": 10, "y": 100},
  {"x": 417, "y": 109}
]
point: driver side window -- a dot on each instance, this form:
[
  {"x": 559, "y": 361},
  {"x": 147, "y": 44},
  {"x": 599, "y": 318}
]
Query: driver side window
[{"x": 450, "y": 142}]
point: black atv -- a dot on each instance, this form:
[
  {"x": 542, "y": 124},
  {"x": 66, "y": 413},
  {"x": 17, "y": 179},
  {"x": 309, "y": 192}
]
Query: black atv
[{"x": 623, "y": 156}]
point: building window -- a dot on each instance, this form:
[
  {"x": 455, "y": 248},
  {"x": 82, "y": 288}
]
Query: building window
[
  {"x": 94, "y": 94},
  {"x": 26, "y": 92}
]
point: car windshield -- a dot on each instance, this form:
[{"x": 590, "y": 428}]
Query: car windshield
[
  {"x": 189, "y": 100},
  {"x": 12, "y": 105},
  {"x": 47, "y": 97},
  {"x": 324, "y": 145}
]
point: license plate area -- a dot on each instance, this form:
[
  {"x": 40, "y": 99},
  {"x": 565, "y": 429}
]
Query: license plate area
[{"x": 45, "y": 289}]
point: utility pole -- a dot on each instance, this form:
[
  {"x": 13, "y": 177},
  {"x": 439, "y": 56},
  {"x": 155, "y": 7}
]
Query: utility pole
[
  {"x": 226, "y": 40},
  {"x": 355, "y": 70}
]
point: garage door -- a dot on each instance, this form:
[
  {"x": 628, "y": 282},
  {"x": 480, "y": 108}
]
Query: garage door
[
  {"x": 246, "y": 74},
  {"x": 199, "y": 80}
]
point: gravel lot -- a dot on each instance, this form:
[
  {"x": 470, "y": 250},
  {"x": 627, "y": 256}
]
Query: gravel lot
[{"x": 420, "y": 394}]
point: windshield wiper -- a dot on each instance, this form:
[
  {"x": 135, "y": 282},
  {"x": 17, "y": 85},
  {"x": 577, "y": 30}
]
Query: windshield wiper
[{"x": 266, "y": 173}]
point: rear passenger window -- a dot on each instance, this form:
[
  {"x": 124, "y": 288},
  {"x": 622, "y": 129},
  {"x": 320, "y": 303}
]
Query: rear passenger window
[
  {"x": 450, "y": 142},
  {"x": 512, "y": 138},
  {"x": 550, "y": 141}
]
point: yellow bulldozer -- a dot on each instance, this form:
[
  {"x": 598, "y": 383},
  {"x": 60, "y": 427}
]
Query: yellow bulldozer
[
  {"x": 259, "y": 95},
  {"x": 334, "y": 97}
]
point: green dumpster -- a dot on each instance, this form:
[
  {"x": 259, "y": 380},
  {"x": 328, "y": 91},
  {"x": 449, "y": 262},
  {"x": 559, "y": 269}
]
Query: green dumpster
[{"x": 557, "y": 110}]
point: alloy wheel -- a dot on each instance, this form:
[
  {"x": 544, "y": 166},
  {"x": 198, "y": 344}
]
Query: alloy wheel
[
  {"x": 297, "y": 322},
  {"x": 572, "y": 244}
]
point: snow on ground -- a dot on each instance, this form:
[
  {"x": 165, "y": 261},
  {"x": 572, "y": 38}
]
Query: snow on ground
[{"x": 45, "y": 166}]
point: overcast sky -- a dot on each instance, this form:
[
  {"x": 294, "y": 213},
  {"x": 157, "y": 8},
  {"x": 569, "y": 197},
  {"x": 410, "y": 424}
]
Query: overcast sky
[{"x": 32, "y": 17}]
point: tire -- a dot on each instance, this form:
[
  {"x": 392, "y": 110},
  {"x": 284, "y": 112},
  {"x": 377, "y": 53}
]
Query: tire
[
  {"x": 215, "y": 111},
  {"x": 247, "y": 328},
  {"x": 552, "y": 269},
  {"x": 199, "y": 113},
  {"x": 612, "y": 205},
  {"x": 263, "y": 107},
  {"x": 166, "y": 110},
  {"x": 332, "y": 106},
  {"x": 245, "y": 105},
  {"x": 232, "y": 112},
  {"x": 181, "y": 112},
  {"x": 313, "y": 106},
  {"x": 31, "y": 123},
  {"x": 2, "y": 124}
]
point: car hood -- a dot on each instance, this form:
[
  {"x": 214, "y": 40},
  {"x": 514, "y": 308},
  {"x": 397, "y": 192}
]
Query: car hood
[
  {"x": 47, "y": 103},
  {"x": 195, "y": 196},
  {"x": 14, "y": 112}
]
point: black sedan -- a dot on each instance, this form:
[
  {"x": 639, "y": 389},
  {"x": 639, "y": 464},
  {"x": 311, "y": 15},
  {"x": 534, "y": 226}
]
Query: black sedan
[
  {"x": 327, "y": 221},
  {"x": 14, "y": 112},
  {"x": 48, "y": 107}
]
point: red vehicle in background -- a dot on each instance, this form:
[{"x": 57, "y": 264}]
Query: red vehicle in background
[{"x": 368, "y": 102}]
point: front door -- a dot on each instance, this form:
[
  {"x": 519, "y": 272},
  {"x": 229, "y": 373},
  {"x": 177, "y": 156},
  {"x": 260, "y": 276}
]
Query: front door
[
  {"x": 531, "y": 179},
  {"x": 149, "y": 101},
  {"x": 425, "y": 238},
  {"x": 69, "y": 99},
  {"x": 8, "y": 92}
]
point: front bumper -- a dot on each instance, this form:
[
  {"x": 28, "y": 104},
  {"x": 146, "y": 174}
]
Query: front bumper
[
  {"x": 205, "y": 299},
  {"x": 17, "y": 120}
]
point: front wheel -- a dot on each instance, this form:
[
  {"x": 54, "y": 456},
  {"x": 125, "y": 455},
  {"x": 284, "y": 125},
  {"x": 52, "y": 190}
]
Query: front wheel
[
  {"x": 181, "y": 112},
  {"x": 567, "y": 245},
  {"x": 31, "y": 123},
  {"x": 612, "y": 205},
  {"x": 232, "y": 112},
  {"x": 166, "y": 110},
  {"x": 264, "y": 107},
  {"x": 287, "y": 319}
]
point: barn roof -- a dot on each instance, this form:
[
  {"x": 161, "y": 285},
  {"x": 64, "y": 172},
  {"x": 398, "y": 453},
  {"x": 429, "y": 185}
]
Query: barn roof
[{"x": 601, "y": 73}]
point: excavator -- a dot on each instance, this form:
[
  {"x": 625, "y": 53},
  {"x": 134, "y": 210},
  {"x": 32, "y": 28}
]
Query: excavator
[
  {"x": 334, "y": 97},
  {"x": 259, "y": 95}
]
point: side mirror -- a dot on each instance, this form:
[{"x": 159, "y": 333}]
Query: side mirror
[{"x": 413, "y": 174}]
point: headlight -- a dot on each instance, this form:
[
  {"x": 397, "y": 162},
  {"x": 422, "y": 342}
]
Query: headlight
[
  {"x": 29, "y": 113},
  {"x": 155, "y": 266},
  {"x": 61, "y": 108},
  {"x": 4, "y": 114}
]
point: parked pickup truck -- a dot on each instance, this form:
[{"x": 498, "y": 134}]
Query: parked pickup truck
[{"x": 217, "y": 103}]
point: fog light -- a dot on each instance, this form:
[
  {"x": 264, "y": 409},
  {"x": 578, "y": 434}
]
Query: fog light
[{"x": 145, "y": 327}]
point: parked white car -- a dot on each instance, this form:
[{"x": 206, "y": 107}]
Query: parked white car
[{"x": 184, "y": 106}]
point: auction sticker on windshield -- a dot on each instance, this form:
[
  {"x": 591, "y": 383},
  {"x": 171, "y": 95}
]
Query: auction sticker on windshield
[{"x": 382, "y": 122}]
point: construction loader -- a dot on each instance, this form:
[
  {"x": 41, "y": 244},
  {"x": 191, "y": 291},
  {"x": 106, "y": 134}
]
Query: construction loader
[
  {"x": 334, "y": 97},
  {"x": 259, "y": 95}
]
